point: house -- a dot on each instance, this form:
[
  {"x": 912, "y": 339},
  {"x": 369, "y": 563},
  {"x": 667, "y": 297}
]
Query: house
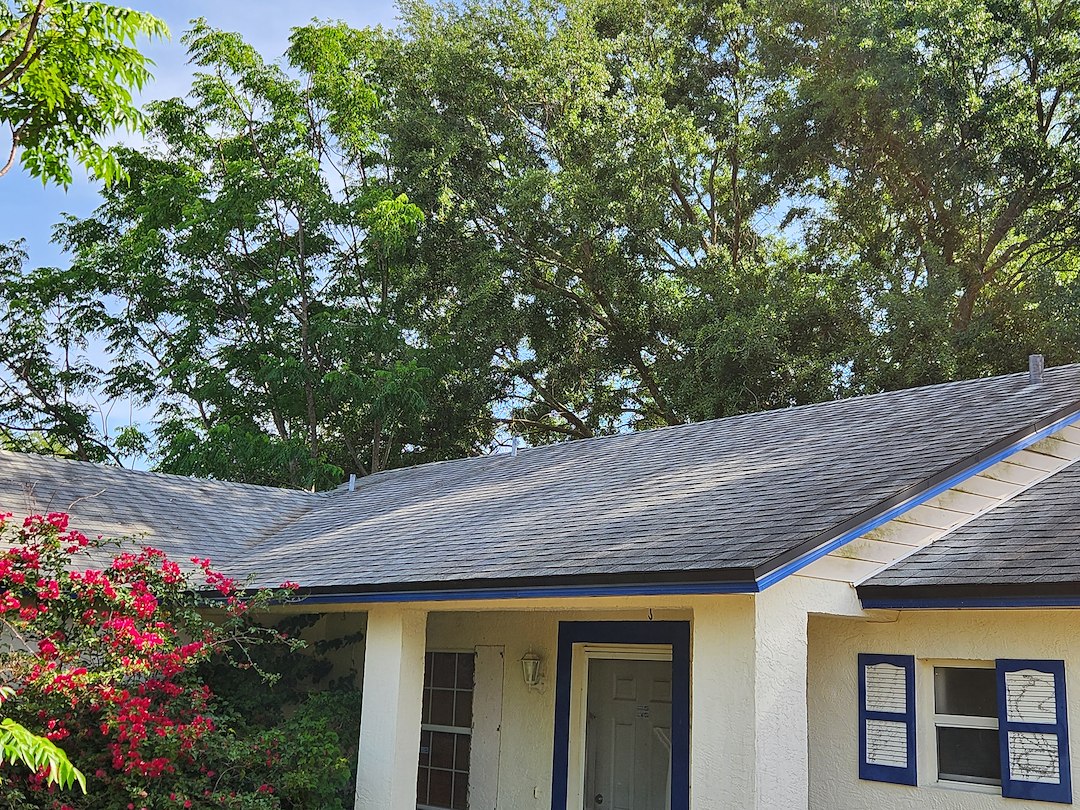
[{"x": 861, "y": 603}]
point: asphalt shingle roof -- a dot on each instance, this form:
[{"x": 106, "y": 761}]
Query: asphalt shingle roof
[
  {"x": 724, "y": 499},
  {"x": 1033, "y": 539},
  {"x": 181, "y": 516}
]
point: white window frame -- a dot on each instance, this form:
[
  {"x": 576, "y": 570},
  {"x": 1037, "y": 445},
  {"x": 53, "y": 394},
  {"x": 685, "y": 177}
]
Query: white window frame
[{"x": 928, "y": 721}]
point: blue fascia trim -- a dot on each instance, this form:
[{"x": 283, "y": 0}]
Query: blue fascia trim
[
  {"x": 969, "y": 602},
  {"x": 534, "y": 591},
  {"x": 1037, "y": 791},
  {"x": 677, "y": 634},
  {"x": 795, "y": 565}
]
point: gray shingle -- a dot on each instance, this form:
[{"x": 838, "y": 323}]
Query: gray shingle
[
  {"x": 731, "y": 493},
  {"x": 182, "y": 516},
  {"x": 1033, "y": 538},
  {"x": 689, "y": 501}
]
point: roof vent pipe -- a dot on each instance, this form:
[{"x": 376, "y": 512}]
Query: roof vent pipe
[
  {"x": 1036, "y": 364},
  {"x": 514, "y": 447},
  {"x": 352, "y": 482}
]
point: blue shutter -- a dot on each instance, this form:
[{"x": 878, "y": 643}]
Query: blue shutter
[
  {"x": 1033, "y": 728},
  {"x": 887, "y": 718}
]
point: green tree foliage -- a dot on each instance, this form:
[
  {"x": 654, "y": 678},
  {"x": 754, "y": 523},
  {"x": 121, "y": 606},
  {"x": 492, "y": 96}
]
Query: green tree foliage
[
  {"x": 255, "y": 281},
  {"x": 19, "y": 746},
  {"x": 941, "y": 142},
  {"x": 45, "y": 398},
  {"x": 567, "y": 218},
  {"x": 67, "y": 70},
  {"x": 609, "y": 160},
  {"x": 305, "y": 723},
  {"x": 709, "y": 208}
]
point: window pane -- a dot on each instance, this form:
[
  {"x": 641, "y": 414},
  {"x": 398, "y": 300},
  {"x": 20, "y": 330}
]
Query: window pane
[
  {"x": 461, "y": 791},
  {"x": 442, "y": 707},
  {"x": 968, "y": 755},
  {"x": 441, "y": 789},
  {"x": 425, "y": 747},
  {"x": 442, "y": 750},
  {"x": 464, "y": 744},
  {"x": 965, "y": 691},
  {"x": 421, "y": 786},
  {"x": 443, "y": 670},
  {"x": 463, "y": 710},
  {"x": 465, "y": 663}
]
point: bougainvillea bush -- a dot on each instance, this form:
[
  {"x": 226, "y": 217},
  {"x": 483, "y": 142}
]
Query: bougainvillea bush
[{"x": 105, "y": 648}]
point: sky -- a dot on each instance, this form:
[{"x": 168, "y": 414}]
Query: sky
[{"x": 29, "y": 211}]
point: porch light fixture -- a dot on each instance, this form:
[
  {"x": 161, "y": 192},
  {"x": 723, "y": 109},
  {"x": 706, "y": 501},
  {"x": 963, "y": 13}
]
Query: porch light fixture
[{"x": 530, "y": 669}]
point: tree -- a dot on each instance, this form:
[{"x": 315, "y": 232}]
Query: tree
[
  {"x": 562, "y": 219},
  {"x": 942, "y": 139},
  {"x": 67, "y": 70},
  {"x": 268, "y": 302},
  {"x": 45, "y": 399},
  {"x": 608, "y": 163}
]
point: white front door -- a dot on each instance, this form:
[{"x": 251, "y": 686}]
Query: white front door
[{"x": 628, "y": 735}]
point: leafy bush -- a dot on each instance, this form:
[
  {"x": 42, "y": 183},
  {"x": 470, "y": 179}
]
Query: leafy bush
[
  {"x": 106, "y": 663},
  {"x": 305, "y": 726}
]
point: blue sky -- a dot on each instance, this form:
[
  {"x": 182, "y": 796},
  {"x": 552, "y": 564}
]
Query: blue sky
[{"x": 29, "y": 211}]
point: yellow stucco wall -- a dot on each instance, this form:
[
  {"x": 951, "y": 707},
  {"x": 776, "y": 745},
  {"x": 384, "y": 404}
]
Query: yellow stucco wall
[{"x": 834, "y": 644}]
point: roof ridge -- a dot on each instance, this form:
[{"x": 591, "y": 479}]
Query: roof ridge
[
  {"x": 383, "y": 474},
  {"x": 363, "y": 482}
]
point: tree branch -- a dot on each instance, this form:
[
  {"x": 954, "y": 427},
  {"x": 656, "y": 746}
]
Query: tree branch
[{"x": 8, "y": 73}]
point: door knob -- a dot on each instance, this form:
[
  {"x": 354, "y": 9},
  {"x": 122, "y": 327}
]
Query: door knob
[{"x": 599, "y": 799}]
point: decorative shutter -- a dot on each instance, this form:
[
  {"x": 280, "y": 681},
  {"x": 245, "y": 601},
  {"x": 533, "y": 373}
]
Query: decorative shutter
[
  {"x": 1034, "y": 731},
  {"x": 887, "y": 718}
]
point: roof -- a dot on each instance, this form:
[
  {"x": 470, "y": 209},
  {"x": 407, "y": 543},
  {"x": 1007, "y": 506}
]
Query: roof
[
  {"x": 723, "y": 501},
  {"x": 1028, "y": 545},
  {"x": 182, "y": 516}
]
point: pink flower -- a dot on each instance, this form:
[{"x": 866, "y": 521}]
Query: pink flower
[{"x": 57, "y": 519}]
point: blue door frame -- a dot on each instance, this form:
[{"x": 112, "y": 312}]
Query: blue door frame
[{"x": 677, "y": 634}]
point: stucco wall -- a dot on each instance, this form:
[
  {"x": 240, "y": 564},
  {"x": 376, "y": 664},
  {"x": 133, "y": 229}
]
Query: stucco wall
[
  {"x": 347, "y": 660},
  {"x": 834, "y": 644}
]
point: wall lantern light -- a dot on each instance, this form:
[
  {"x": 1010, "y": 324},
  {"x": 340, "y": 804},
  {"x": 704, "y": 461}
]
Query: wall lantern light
[{"x": 530, "y": 669}]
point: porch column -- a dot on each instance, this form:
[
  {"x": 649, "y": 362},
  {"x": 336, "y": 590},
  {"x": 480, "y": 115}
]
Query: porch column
[
  {"x": 749, "y": 712},
  {"x": 781, "y": 749},
  {"x": 390, "y": 715},
  {"x": 782, "y": 613},
  {"x": 722, "y": 700}
]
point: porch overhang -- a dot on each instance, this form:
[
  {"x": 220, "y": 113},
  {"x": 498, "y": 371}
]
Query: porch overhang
[
  {"x": 971, "y": 596},
  {"x": 730, "y": 580}
]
